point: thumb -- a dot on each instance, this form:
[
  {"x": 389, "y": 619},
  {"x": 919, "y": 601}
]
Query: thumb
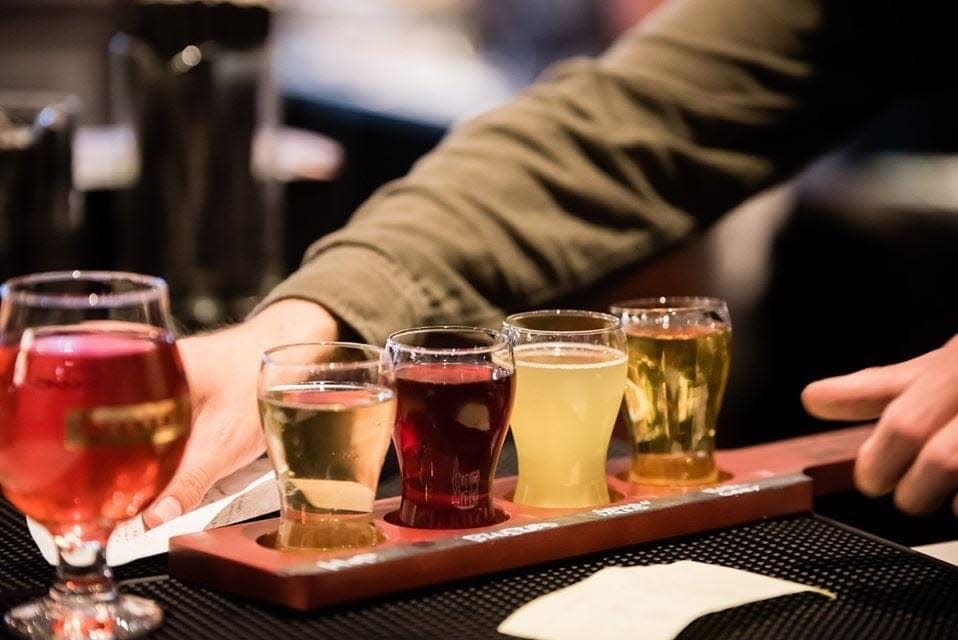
[
  {"x": 225, "y": 437},
  {"x": 184, "y": 493}
]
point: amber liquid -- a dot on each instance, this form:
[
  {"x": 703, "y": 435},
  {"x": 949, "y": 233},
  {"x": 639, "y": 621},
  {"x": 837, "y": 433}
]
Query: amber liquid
[
  {"x": 672, "y": 400},
  {"x": 92, "y": 424},
  {"x": 327, "y": 443}
]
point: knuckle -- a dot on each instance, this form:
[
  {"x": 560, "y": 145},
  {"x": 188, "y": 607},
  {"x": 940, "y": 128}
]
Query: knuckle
[
  {"x": 192, "y": 485},
  {"x": 941, "y": 459},
  {"x": 902, "y": 424},
  {"x": 902, "y": 377},
  {"x": 907, "y": 504}
]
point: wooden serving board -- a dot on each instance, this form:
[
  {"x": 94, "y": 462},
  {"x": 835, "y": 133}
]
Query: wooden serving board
[{"x": 757, "y": 482}]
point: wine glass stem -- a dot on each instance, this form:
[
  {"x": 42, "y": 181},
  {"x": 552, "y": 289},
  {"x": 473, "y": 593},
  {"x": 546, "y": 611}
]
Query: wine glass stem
[{"x": 83, "y": 576}]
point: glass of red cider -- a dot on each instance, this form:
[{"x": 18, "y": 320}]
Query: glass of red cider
[
  {"x": 94, "y": 417},
  {"x": 454, "y": 391}
]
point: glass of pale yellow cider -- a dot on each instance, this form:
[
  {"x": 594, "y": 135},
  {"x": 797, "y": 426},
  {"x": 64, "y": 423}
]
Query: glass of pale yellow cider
[
  {"x": 570, "y": 375},
  {"x": 679, "y": 354},
  {"x": 327, "y": 411}
]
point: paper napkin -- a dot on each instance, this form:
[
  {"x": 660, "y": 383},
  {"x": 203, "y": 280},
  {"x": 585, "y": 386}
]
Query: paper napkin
[{"x": 653, "y": 602}]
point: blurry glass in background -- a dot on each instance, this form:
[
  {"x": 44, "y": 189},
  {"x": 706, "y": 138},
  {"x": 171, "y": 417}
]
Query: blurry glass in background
[
  {"x": 192, "y": 80},
  {"x": 40, "y": 217}
]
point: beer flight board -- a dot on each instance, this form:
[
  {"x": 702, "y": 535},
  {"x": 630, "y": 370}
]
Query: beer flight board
[{"x": 757, "y": 482}]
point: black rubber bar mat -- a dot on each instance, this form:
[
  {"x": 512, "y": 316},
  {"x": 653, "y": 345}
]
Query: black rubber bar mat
[{"x": 884, "y": 591}]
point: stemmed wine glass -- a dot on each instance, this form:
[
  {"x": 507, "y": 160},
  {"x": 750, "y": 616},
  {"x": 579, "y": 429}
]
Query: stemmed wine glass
[{"x": 94, "y": 417}]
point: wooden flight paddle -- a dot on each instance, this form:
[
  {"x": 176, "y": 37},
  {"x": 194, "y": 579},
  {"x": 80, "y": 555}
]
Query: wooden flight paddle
[{"x": 757, "y": 482}]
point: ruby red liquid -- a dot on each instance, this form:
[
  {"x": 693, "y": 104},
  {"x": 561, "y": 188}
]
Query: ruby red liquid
[
  {"x": 92, "y": 424},
  {"x": 451, "y": 421}
]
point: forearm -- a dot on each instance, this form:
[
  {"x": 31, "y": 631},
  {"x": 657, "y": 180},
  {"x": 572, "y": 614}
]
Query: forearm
[{"x": 603, "y": 165}]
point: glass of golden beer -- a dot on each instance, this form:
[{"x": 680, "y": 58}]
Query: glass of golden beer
[
  {"x": 327, "y": 411},
  {"x": 570, "y": 373},
  {"x": 679, "y": 352}
]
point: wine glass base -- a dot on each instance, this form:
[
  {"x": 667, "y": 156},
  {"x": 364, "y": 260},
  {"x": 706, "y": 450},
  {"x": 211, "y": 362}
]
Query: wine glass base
[{"x": 125, "y": 617}]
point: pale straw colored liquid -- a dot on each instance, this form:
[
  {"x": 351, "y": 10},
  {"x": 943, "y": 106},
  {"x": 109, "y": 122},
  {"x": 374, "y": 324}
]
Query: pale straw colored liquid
[
  {"x": 567, "y": 396},
  {"x": 327, "y": 443}
]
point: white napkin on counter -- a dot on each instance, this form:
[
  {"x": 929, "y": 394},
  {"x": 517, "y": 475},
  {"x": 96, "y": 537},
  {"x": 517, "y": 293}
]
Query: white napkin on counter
[{"x": 653, "y": 602}]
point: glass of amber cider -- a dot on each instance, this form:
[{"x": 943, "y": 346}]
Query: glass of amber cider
[{"x": 679, "y": 355}]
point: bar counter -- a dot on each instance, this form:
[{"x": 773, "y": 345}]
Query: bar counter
[{"x": 884, "y": 590}]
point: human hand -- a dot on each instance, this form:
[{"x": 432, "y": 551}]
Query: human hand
[
  {"x": 913, "y": 450},
  {"x": 222, "y": 369}
]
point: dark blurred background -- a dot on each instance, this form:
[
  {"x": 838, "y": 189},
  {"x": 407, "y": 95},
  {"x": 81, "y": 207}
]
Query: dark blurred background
[{"x": 850, "y": 264}]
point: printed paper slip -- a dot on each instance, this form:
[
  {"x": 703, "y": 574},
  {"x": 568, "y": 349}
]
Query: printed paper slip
[{"x": 245, "y": 494}]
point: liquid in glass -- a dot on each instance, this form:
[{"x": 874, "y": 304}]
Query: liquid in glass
[
  {"x": 567, "y": 397},
  {"x": 92, "y": 424},
  {"x": 327, "y": 442},
  {"x": 677, "y": 379},
  {"x": 451, "y": 422}
]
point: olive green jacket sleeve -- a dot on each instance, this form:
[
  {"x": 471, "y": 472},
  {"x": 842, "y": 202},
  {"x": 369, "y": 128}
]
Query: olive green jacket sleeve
[{"x": 599, "y": 165}]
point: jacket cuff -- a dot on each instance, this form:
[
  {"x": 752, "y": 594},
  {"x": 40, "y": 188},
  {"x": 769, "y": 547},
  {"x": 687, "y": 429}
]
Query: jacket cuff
[{"x": 366, "y": 291}]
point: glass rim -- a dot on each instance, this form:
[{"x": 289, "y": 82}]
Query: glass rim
[
  {"x": 500, "y": 341},
  {"x": 668, "y": 304},
  {"x": 154, "y": 290},
  {"x": 615, "y": 322},
  {"x": 375, "y": 356}
]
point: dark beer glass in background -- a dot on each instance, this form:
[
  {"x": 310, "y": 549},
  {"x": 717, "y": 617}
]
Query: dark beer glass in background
[
  {"x": 192, "y": 80},
  {"x": 94, "y": 417},
  {"x": 454, "y": 389},
  {"x": 41, "y": 217}
]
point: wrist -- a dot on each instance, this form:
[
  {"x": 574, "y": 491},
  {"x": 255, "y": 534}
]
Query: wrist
[
  {"x": 235, "y": 352},
  {"x": 291, "y": 320}
]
